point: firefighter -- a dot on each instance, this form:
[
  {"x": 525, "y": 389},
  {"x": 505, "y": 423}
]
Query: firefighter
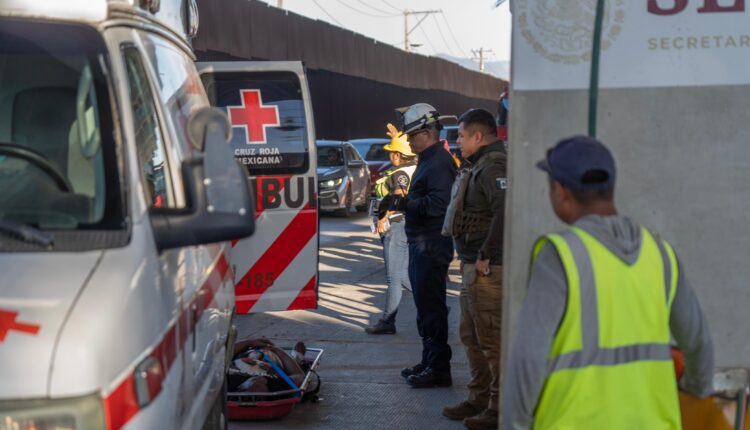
[
  {"x": 592, "y": 347},
  {"x": 390, "y": 226},
  {"x": 430, "y": 253},
  {"x": 477, "y": 230}
]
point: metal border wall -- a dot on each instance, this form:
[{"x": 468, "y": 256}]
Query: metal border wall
[{"x": 251, "y": 29}]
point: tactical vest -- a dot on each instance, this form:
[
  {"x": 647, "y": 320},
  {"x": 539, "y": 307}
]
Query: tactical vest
[
  {"x": 469, "y": 220},
  {"x": 610, "y": 365}
]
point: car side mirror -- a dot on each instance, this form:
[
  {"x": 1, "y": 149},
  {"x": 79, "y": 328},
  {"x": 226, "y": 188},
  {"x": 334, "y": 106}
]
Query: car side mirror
[{"x": 219, "y": 204}]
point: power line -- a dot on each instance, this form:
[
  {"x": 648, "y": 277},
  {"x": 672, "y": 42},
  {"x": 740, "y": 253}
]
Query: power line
[
  {"x": 479, "y": 55},
  {"x": 450, "y": 30},
  {"x": 326, "y": 12},
  {"x": 391, "y": 6},
  {"x": 376, "y": 9},
  {"x": 428, "y": 40},
  {"x": 440, "y": 30},
  {"x": 425, "y": 14},
  {"x": 365, "y": 13}
]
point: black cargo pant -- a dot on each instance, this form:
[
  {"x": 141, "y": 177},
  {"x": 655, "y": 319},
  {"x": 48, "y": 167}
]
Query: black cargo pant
[{"x": 428, "y": 269}]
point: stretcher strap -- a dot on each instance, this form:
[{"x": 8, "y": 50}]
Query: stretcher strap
[{"x": 281, "y": 373}]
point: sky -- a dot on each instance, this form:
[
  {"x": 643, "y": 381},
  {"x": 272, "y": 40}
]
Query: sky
[{"x": 463, "y": 25}]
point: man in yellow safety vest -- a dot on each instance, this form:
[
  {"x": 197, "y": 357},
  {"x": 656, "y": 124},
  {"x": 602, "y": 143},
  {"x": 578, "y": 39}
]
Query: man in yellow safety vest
[{"x": 592, "y": 347}]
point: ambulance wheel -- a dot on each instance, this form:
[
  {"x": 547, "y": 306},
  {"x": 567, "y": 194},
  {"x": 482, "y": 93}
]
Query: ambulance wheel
[
  {"x": 218, "y": 416},
  {"x": 346, "y": 211}
]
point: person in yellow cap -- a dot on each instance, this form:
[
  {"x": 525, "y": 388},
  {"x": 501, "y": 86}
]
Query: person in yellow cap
[{"x": 390, "y": 226}]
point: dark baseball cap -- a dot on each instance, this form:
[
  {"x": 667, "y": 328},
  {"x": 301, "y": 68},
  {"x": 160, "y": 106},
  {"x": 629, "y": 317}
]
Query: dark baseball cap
[{"x": 580, "y": 163}]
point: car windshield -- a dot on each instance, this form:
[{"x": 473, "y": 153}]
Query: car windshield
[
  {"x": 450, "y": 134},
  {"x": 57, "y": 159},
  {"x": 331, "y": 156},
  {"x": 362, "y": 148},
  {"x": 377, "y": 153}
]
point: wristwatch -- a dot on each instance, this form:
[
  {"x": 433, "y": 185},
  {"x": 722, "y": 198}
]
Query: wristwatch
[{"x": 481, "y": 256}]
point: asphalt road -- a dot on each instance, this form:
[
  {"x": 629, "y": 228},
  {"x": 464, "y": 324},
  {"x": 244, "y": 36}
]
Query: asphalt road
[{"x": 361, "y": 385}]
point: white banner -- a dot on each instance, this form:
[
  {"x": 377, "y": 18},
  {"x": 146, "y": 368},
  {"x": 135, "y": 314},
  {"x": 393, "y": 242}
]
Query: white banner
[{"x": 645, "y": 43}]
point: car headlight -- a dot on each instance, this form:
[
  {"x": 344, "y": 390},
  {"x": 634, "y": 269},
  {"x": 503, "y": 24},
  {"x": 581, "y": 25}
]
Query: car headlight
[
  {"x": 332, "y": 183},
  {"x": 80, "y": 413}
]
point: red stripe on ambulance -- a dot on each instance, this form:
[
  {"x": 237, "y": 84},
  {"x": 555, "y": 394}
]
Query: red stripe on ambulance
[
  {"x": 277, "y": 258},
  {"x": 307, "y": 298},
  {"x": 121, "y": 405}
]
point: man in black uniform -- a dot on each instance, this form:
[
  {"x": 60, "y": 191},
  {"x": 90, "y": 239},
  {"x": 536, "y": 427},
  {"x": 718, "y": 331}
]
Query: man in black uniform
[{"x": 430, "y": 253}]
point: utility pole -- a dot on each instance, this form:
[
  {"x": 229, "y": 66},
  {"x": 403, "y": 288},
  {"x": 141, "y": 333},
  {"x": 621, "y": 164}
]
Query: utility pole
[
  {"x": 407, "y": 32},
  {"x": 480, "y": 54}
]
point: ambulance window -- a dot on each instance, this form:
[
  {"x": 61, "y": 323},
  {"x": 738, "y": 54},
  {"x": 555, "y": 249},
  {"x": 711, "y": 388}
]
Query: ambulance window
[
  {"x": 180, "y": 88},
  {"x": 58, "y": 166},
  {"x": 267, "y": 112},
  {"x": 148, "y": 137}
]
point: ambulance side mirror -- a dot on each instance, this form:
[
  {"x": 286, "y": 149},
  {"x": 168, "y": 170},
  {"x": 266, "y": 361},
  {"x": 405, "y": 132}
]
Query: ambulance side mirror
[{"x": 219, "y": 204}]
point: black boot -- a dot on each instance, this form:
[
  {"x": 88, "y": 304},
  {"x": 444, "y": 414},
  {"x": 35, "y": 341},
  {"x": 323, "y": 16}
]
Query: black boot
[
  {"x": 382, "y": 327},
  {"x": 430, "y": 379},
  {"x": 414, "y": 370}
]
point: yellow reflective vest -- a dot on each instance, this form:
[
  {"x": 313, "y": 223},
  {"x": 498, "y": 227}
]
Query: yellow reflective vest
[
  {"x": 610, "y": 362},
  {"x": 381, "y": 186}
]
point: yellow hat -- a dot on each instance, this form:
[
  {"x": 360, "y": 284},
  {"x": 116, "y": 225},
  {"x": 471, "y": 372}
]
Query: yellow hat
[{"x": 399, "y": 142}]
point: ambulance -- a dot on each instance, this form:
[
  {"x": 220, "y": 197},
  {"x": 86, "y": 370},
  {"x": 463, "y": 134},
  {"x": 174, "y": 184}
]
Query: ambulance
[
  {"x": 119, "y": 199},
  {"x": 269, "y": 108}
]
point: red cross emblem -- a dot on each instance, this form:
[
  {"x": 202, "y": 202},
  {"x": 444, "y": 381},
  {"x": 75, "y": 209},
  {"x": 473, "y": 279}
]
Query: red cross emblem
[
  {"x": 254, "y": 116},
  {"x": 8, "y": 322}
]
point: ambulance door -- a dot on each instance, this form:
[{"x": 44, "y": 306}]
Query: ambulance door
[{"x": 273, "y": 137}]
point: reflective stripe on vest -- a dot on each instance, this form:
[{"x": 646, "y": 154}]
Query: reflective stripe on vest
[
  {"x": 381, "y": 189},
  {"x": 613, "y": 342}
]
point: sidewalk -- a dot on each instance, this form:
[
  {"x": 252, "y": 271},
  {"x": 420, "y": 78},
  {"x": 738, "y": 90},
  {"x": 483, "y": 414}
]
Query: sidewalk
[{"x": 361, "y": 385}]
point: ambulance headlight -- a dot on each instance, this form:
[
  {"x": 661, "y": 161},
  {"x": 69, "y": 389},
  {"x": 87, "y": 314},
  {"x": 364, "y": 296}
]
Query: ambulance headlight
[
  {"x": 331, "y": 183},
  {"x": 80, "y": 413}
]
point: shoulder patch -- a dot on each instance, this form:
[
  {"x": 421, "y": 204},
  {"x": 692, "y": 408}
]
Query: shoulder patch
[
  {"x": 402, "y": 180},
  {"x": 502, "y": 183}
]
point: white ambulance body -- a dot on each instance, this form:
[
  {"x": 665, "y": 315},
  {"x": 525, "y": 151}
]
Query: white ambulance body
[
  {"x": 269, "y": 107},
  {"x": 119, "y": 197}
]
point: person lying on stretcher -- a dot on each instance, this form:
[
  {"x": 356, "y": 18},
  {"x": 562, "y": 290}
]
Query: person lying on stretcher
[{"x": 252, "y": 368}]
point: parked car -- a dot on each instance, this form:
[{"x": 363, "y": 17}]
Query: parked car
[
  {"x": 450, "y": 133},
  {"x": 376, "y": 157},
  {"x": 343, "y": 181}
]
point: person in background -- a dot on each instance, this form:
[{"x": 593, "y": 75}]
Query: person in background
[
  {"x": 477, "y": 230},
  {"x": 391, "y": 227},
  {"x": 430, "y": 253}
]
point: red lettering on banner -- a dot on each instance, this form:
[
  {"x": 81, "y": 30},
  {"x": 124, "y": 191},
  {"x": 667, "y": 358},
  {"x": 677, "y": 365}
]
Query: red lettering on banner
[
  {"x": 709, "y": 6},
  {"x": 679, "y": 6},
  {"x": 713, "y": 6}
]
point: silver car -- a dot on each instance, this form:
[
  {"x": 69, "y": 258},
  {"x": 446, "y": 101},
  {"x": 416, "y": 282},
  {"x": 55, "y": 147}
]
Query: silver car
[{"x": 343, "y": 178}]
